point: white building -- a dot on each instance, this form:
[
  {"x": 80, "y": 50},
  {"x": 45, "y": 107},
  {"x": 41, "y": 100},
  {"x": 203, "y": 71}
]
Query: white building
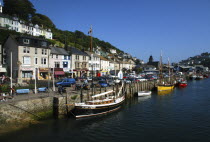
[
  {"x": 94, "y": 63},
  {"x": 104, "y": 66},
  {"x": 60, "y": 61},
  {"x": 14, "y": 23},
  {"x": 2, "y": 61}
]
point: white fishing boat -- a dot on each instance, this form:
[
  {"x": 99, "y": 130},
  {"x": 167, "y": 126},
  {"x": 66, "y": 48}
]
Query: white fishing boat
[
  {"x": 99, "y": 104},
  {"x": 144, "y": 93}
]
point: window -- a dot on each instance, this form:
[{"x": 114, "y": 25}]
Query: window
[
  {"x": 57, "y": 64},
  {"x": 65, "y": 64},
  {"x": 27, "y": 60},
  {"x": 65, "y": 57},
  {"x": 52, "y": 55},
  {"x": 56, "y": 56},
  {"x": 43, "y": 43},
  {"x": 36, "y": 61},
  {"x": 26, "y": 41},
  {"x": 24, "y": 49},
  {"x": 26, "y": 74},
  {"x": 44, "y": 61},
  {"x": 84, "y": 57},
  {"x": 77, "y": 57},
  {"x": 35, "y": 50},
  {"x": 44, "y": 51},
  {"x": 28, "y": 50}
]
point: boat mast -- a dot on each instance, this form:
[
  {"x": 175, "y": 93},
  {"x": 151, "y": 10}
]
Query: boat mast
[
  {"x": 91, "y": 51},
  {"x": 169, "y": 72},
  {"x": 160, "y": 69}
]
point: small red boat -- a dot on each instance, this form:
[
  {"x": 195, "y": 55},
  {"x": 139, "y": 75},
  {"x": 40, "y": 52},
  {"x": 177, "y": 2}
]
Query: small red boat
[
  {"x": 205, "y": 76},
  {"x": 182, "y": 83}
]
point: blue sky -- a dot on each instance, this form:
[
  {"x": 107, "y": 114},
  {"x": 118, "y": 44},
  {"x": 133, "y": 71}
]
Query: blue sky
[{"x": 180, "y": 28}]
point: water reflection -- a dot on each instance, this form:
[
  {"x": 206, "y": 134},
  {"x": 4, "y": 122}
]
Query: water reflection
[
  {"x": 144, "y": 98},
  {"x": 166, "y": 92}
]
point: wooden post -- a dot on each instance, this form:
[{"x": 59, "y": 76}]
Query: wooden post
[
  {"x": 88, "y": 96},
  {"x": 94, "y": 90},
  {"x": 105, "y": 89},
  {"x": 81, "y": 95}
]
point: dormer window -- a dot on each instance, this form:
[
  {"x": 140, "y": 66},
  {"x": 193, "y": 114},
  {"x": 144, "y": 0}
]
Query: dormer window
[
  {"x": 26, "y": 41},
  {"x": 44, "y": 43}
]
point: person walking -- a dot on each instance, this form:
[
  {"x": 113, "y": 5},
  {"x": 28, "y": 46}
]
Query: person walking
[{"x": 3, "y": 78}]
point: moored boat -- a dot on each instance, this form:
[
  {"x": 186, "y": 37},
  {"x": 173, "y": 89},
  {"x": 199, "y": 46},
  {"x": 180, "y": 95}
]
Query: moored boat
[
  {"x": 193, "y": 77},
  {"x": 100, "y": 104},
  {"x": 183, "y": 83},
  {"x": 199, "y": 77},
  {"x": 165, "y": 87},
  {"x": 144, "y": 93}
]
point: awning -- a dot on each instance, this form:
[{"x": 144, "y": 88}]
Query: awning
[
  {"x": 59, "y": 73},
  {"x": 43, "y": 69},
  {"x": 3, "y": 70}
]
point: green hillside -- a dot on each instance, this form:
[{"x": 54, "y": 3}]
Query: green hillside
[{"x": 60, "y": 37}]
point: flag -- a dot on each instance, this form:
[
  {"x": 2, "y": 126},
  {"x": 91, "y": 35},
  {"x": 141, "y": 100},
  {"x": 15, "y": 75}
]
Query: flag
[{"x": 90, "y": 31}]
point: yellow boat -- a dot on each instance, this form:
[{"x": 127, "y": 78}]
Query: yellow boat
[{"x": 165, "y": 87}]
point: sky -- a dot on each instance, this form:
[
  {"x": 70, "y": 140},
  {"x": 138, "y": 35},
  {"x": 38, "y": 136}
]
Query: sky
[{"x": 178, "y": 28}]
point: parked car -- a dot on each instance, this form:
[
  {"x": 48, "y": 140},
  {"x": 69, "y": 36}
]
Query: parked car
[
  {"x": 103, "y": 83},
  {"x": 141, "y": 79},
  {"x": 65, "y": 82}
]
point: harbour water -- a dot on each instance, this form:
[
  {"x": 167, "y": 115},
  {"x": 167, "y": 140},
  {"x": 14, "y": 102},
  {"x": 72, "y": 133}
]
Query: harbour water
[{"x": 179, "y": 116}]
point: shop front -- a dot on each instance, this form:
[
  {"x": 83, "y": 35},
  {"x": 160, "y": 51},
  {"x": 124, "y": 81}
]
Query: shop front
[
  {"x": 59, "y": 73},
  {"x": 27, "y": 73},
  {"x": 43, "y": 73},
  {"x": 80, "y": 72},
  {"x": 2, "y": 71},
  {"x": 104, "y": 72}
]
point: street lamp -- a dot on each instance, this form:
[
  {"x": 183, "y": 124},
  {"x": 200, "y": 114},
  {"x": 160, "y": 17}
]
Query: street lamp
[{"x": 19, "y": 78}]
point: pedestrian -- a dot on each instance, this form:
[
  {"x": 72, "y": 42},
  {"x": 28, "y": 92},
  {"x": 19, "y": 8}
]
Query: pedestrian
[{"x": 3, "y": 78}]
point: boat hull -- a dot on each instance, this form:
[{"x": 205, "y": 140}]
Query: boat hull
[
  {"x": 82, "y": 111},
  {"x": 144, "y": 93},
  {"x": 182, "y": 84},
  {"x": 165, "y": 87}
]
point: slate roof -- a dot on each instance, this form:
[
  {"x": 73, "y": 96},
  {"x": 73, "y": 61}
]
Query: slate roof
[
  {"x": 76, "y": 51},
  {"x": 94, "y": 55},
  {"x": 58, "y": 51}
]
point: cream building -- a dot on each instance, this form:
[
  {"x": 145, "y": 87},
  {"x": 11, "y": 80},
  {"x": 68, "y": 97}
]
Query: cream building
[{"x": 29, "y": 55}]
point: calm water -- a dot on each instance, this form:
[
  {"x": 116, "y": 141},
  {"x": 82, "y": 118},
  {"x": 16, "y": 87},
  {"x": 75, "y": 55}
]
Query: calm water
[{"x": 182, "y": 115}]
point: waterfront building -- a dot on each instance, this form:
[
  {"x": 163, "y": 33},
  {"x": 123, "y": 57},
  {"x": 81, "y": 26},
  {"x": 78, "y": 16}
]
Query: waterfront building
[
  {"x": 18, "y": 25},
  {"x": 111, "y": 66},
  {"x": 94, "y": 63},
  {"x": 2, "y": 61},
  {"x": 79, "y": 62},
  {"x": 60, "y": 61},
  {"x": 104, "y": 66},
  {"x": 29, "y": 55}
]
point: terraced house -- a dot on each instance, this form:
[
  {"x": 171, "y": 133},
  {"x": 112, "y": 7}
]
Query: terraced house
[
  {"x": 60, "y": 61},
  {"x": 18, "y": 25},
  {"x": 29, "y": 56},
  {"x": 79, "y": 62}
]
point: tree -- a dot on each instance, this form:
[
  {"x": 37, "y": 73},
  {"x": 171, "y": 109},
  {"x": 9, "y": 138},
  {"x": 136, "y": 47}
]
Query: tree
[
  {"x": 23, "y": 9},
  {"x": 42, "y": 20}
]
